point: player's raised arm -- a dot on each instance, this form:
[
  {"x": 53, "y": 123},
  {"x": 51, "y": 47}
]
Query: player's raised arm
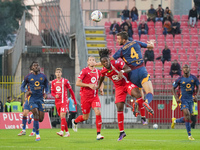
[
  {"x": 150, "y": 44},
  {"x": 125, "y": 69}
]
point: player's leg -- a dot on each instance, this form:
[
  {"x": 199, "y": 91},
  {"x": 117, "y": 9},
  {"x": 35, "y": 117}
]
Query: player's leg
[
  {"x": 35, "y": 112},
  {"x": 98, "y": 122},
  {"x": 120, "y": 117},
  {"x": 24, "y": 120}
]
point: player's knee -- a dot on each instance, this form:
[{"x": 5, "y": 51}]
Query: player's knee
[
  {"x": 97, "y": 112},
  {"x": 85, "y": 117}
]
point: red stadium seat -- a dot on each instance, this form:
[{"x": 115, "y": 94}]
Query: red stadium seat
[
  {"x": 190, "y": 51},
  {"x": 158, "y": 65},
  {"x": 194, "y": 38},
  {"x": 186, "y": 38},
  {"x": 198, "y": 57},
  {"x": 192, "y": 58},
  {"x": 136, "y": 37},
  {"x": 152, "y": 37},
  {"x": 185, "y": 31},
  {"x": 186, "y": 44},
  {"x": 169, "y": 37},
  {"x": 184, "y": 24},
  {"x": 193, "y": 31},
  {"x": 198, "y": 24},
  {"x": 135, "y": 31},
  {"x": 194, "y": 72},
  {"x": 144, "y": 37},
  {"x": 167, "y": 64},
  {"x": 177, "y": 38},
  {"x": 151, "y": 31},
  {"x": 158, "y": 24},
  {"x": 156, "y": 51},
  {"x": 158, "y": 72},
  {"x": 181, "y": 51},
  {"x": 166, "y": 71},
  {"x": 194, "y": 65},
  {"x": 195, "y": 45},
  {"x": 184, "y": 18},
  {"x": 175, "y": 56},
  {"x": 107, "y": 30},
  {"x": 150, "y": 64},
  {"x": 107, "y": 24},
  {"x": 161, "y": 45},
  {"x": 173, "y": 51},
  {"x": 161, "y": 38},
  {"x": 134, "y": 24},
  {"x": 143, "y": 17},
  {"x": 110, "y": 44},
  {"x": 197, "y": 51},
  {"x": 159, "y": 31},
  {"x": 177, "y": 17},
  {"x": 158, "y": 78},
  {"x": 109, "y": 37},
  {"x": 177, "y": 44},
  {"x": 183, "y": 57},
  {"x": 150, "y": 71},
  {"x": 150, "y": 24},
  {"x": 170, "y": 44}
]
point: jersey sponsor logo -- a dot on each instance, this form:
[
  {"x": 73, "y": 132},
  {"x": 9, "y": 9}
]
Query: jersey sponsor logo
[
  {"x": 32, "y": 79},
  {"x": 58, "y": 88},
  {"x": 37, "y": 83},
  {"x": 188, "y": 85},
  {"x": 93, "y": 79},
  {"x": 115, "y": 77}
]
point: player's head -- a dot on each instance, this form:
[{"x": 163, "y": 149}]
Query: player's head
[
  {"x": 58, "y": 72},
  {"x": 91, "y": 61},
  {"x": 35, "y": 66},
  {"x": 186, "y": 69},
  {"x": 104, "y": 57},
  {"x": 122, "y": 37}
]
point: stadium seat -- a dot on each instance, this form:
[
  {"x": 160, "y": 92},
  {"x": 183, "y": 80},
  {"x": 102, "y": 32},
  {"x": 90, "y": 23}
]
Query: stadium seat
[
  {"x": 110, "y": 44},
  {"x": 159, "y": 31},
  {"x": 177, "y": 45},
  {"x": 184, "y": 18},
  {"x": 161, "y": 38},
  {"x": 136, "y": 37},
  {"x": 156, "y": 51},
  {"x": 183, "y": 57},
  {"x": 158, "y": 65},
  {"x": 186, "y": 38},
  {"x": 150, "y": 24},
  {"x": 194, "y": 72},
  {"x": 198, "y": 57},
  {"x": 134, "y": 24},
  {"x": 161, "y": 45},
  {"x": 195, "y": 45},
  {"x": 151, "y": 31},
  {"x": 177, "y": 17},
  {"x": 194, "y": 65},
  {"x": 158, "y": 24},
  {"x": 184, "y": 24},
  {"x": 135, "y": 31},
  {"x": 150, "y": 64},
  {"x": 175, "y": 56},
  {"x": 197, "y": 51},
  {"x": 193, "y": 31},
  {"x": 173, "y": 51},
  {"x": 169, "y": 37},
  {"x": 185, "y": 31},
  {"x": 194, "y": 38},
  {"x": 158, "y": 72},
  {"x": 107, "y": 24},
  {"x": 198, "y": 24},
  {"x": 166, "y": 71},
  {"x": 181, "y": 51},
  {"x": 152, "y": 37},
  {"x": 167, "y": 64},
  {"x": 186, "y": 44},
  {"x": 109, "y": 37},
  {"x": 150, "y": 71},
  {"x": 158, "y": 79},
  {"x": 170, "y": 44},
  {"x": 190, "y": 51},
  {"x": 143, "y": 17},
  {"x": 192, "y": 58},
  {"x": 107, "y": 30},
  {"x": 177, "y": 38},
  {"x": 144, "y": 37}
]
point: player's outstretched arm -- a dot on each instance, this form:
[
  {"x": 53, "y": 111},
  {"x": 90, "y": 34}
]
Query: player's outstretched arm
[{"x": 150, "y": 44}]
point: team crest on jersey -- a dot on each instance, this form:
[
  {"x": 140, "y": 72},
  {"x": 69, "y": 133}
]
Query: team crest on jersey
[
  {"x": 188, "y": 85},
  {"x": 93, "y": 71},
  {"x": 192, "y": 80},
  {"x": 41, "y": 78},
  {"x": 32, "y": 79},
  {"x": 110, "y": 71},
  {"x": 58, "y": 88},
  {"x": 93, "y": 79}
]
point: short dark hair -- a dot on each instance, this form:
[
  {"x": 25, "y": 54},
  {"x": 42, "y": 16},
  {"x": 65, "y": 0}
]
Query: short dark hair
[
  {"x": 159, "y": 5},
  {"x": 32, "y": 64},
  {"x": 123, "y": 34},
  {"x": 104, "y": 53}
]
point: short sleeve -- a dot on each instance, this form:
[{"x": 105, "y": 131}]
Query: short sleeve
[
  {"x": 82, "y": 74},
  {"x": 119, "y": 64},
  {"x": 67, "y": 83},
  {"x": 102, "y": 73},
  {"x": 143, "y": 45},
  {"x": 117, "y": 54},
  {"x": 196, "y": 81},
  {"x": 176, "y": 83}
]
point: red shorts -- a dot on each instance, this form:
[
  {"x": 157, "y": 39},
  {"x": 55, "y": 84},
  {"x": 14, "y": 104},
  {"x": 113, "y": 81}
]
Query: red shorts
[
  {"x": 121, "y": 92},
  {"x": 87, "y": 103},
  {"x": 61, "y": 108}
]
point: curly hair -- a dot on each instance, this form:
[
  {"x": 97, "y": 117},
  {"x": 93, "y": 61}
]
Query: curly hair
[
  {"x": 32, "y": 64},
  {"x": 104, "y": 52}
]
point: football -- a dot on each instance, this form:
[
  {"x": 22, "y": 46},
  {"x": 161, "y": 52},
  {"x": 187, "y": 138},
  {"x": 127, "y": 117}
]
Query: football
[
  {"x": 96, "y": 15},
  {"x": 155, "y": 126}
]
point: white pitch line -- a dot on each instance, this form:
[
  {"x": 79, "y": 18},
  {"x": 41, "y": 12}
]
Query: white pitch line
[{"x": 27, "y": 147}]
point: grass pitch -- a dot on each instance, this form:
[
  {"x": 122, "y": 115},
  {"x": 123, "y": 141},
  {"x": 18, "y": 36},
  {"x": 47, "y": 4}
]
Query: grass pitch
[{"x": 85, "y": 139}]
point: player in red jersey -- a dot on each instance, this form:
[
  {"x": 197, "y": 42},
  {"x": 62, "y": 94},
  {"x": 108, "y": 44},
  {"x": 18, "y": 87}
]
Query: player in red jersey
[
  {"x": 116, "y": 71},
  {"x": 59, "y": 88},
  {"x": 88, "y": 81}
]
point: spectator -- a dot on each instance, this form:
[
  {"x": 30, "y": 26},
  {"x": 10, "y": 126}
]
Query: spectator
[
  {"x": 175, "y": 27},
  {"x": 1, "y": 106},
  {"x": 72, "y": 112},
  {"x": 159, "y": 13},
  {"x": 167, "y": 26},
  {"x": 143, "y": 28},
  {"x": 197, "y": 5},
  {"x": 175, "y": 69},
  {"x": 130, "y": 33},
  {"x": 194, "y": 115},
  {"x": 167, "y": 18},
  {"x": 134, "y": 14},
  {"x": 192, "y": 17},
  {"x": 114, "y": 28},
  {"x": 166, "y": 54},
  {"x": 148, "y": 56},
  {"x": 128, "y": 23},
  {"x": 151, "y": 14},
  {"x": 16, "y": 106},
  {"x": 8, "y": 104},
  {"x": 125, "y": 14},
  {"x": 168, "y": 12}
]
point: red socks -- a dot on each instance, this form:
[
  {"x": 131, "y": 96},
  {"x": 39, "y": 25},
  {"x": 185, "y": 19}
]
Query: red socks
[
  {"x": 63, "y": 124},
  {"x": 141, "y": 107},
  {"x": 98, "y": 123},
  {"x": 120, "y": 117},
  {"x": 79, "y": 119}
]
